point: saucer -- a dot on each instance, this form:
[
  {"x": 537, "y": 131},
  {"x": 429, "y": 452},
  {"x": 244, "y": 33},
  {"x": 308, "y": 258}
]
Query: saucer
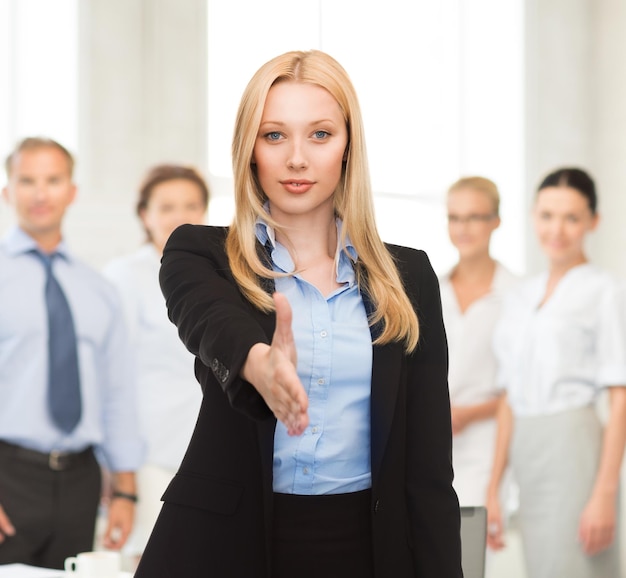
[{"x": 120, "y": 575}]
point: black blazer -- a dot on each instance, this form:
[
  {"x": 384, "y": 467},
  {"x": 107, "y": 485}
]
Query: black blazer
[{"x": 216, "y": 519}]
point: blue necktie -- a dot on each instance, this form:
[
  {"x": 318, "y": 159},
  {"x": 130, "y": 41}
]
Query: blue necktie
[{"x": 64, "y": 400}]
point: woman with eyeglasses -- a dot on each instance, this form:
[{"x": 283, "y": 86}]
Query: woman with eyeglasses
[
  {"x": 561, "y": 340},
  {"x": 471, "y": 295}
]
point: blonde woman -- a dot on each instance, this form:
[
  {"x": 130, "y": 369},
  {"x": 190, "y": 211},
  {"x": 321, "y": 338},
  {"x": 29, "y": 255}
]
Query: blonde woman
[
  {"x": 560, "y": 341},
  {"x": 323, "y": 442},
  {"x": 471, "y": 296}
]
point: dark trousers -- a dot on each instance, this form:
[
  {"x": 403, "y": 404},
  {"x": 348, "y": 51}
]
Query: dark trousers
[
  {"x": 322, "y": 536},
  {"x": 51, "y": 501}
]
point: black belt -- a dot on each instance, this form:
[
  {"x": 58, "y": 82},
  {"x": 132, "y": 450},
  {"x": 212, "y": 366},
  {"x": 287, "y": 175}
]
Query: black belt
[{"x": 55, "y": 460}]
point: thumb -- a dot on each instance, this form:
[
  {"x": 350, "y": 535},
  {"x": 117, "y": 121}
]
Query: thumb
[{"x": 283, "y": 336}]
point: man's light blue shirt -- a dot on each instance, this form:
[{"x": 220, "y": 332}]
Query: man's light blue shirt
[
  {"x": 109, "y": 416},
  {"x": 334, "y": 348}
]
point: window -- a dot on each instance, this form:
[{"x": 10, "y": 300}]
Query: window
[
  {"x": 440, "y": 85},
  {"x": 38, "y": 71}
]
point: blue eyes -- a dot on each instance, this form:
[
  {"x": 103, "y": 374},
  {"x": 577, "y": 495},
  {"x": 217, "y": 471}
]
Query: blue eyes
[{"x": 275, "y": 136}]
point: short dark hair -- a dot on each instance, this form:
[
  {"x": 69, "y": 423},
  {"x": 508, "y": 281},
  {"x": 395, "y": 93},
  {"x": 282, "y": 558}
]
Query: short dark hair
[
  {"x": 574, "y": 178},
  {"x": 38, "y": 142},
  {"x": 169, "y": 172}
]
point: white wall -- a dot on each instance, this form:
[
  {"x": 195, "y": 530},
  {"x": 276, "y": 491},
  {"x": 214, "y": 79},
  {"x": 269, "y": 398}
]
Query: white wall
[
  {"x": 576, "y": 109},
  {"x": 607, "y": 84},
  {"x": 142, "y": 97}
]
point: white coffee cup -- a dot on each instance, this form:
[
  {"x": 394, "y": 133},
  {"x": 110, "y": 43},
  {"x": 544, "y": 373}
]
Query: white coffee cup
[{"x": 94, "y": 565}]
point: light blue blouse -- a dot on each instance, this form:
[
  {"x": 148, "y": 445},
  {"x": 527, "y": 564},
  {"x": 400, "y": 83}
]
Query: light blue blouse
[{"x": 334, "y": 348}]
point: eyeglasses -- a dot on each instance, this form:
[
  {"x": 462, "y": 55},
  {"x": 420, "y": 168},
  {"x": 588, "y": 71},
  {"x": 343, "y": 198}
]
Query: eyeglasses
[{"x": 470, "y": 219}]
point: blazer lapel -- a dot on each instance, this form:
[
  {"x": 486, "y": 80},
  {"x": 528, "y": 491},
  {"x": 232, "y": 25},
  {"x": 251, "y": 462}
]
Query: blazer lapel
[{"x": 386, "y": 374}]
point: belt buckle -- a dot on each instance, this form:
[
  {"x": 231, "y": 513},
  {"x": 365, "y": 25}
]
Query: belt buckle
[{"x": 54, "y": 460}]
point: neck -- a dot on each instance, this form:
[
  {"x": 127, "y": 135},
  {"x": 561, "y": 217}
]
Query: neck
[
  {"x": 309, "y": 239},
  {"x": 559, "y": 268},
  {"x": 475, "y": 268},
  {"x": 47, "y": 241},
  {"x": 158, "y": 247}
]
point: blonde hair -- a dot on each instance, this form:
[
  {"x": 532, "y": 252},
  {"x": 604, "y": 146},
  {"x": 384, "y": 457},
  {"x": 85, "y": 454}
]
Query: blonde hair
[
  {"x": 481, "y": 184},
  {"x": 36, "y": 143},
  {"x": 376, "y": 270}
]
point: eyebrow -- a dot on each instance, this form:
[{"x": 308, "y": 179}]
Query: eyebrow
[{"x": 280, "y": 123}]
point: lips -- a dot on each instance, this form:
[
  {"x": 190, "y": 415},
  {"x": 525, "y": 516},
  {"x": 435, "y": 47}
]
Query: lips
[{"x": 297, "y": 186}]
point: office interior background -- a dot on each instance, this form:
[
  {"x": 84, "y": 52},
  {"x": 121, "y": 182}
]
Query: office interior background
[{"x": 508, "y": 89}]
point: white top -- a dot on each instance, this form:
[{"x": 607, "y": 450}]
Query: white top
[
  {"x": 472, "y": 380},
  {"x": 557, "y": 356},
  {"x": 168, "y": 394},
  {"x": 472, "y": 373}
]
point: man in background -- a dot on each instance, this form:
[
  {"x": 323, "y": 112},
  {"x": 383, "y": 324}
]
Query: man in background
[{"x": 66, "y": 383}]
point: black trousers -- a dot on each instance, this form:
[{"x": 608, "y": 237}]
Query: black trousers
[
  {"x": 322, "y": 536},
  {"x": 52, "y": 502}
]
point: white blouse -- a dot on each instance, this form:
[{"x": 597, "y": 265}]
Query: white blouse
[
  {"x": 472, "y": 372},
  {"x": 169, "y": 396},
  {"x": 472, "y": 380},
  {"x": 556, "y": 356}
]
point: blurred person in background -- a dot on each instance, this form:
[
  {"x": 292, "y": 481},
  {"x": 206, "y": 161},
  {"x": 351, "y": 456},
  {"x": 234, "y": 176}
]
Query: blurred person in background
[
  {"x": 471, "y": 297},
  {"x": 67, "y": 386},
  {"x": 560, "y": 341},
  {"x": 169, "y": 396}
]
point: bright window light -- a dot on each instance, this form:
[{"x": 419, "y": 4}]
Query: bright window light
[{"x": 38, "y": 71}]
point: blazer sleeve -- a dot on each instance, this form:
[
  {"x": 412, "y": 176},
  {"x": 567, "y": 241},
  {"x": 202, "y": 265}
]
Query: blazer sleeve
[
  {"x": 215, "y": 322},
  {"x": 433, "y": 504}
]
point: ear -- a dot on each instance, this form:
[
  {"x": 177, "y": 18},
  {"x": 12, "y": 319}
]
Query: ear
[
  {"x": 595, "y": 222},
  {"x": 142, "y": 215},
  {"x": 5, "y": 195},
  {"x": 72, "y": 194}
]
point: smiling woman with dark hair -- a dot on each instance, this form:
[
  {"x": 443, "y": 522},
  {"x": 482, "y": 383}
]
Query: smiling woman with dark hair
[{"x": 562, "y": 340}]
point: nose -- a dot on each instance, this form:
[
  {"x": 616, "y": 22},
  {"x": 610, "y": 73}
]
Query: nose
[
  {"x": 558, "y": 226},
  {"x": 41, "y": 191},
  {"x": 182, "y": 217},
  {"x": 297, "y": 158}
]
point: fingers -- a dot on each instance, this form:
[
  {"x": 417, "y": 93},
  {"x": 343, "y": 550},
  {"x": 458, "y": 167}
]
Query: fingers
[
  {"x": 595, "y": 539},
  {"x": 121, "y": 515},
  {"x": 283, "y": 336},
  {"x": 288, "y": 400},
  {"x": 495, "y": 526},
  {"x": 495, "y": 536},
  {"x": 291, "y": 402},
  {"x": 272, "y": 370},
  {"x": 6, "y": 528}
]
